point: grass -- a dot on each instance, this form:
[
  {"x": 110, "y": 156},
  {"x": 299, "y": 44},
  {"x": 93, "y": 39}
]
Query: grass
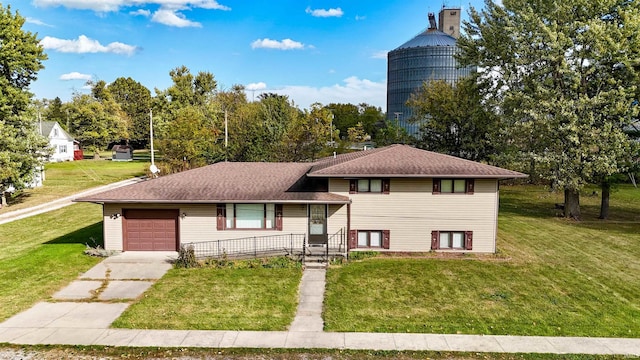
[
  {"x": 217, "y": 299},
  {"x": 551, "y": 277},
  {"x": 41, "y": 254},
  {"x": 67, "y": 178},
  {"x": 93, "y": 352}
]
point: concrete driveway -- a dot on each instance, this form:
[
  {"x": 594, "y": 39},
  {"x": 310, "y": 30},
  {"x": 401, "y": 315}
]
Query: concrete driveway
[{"x": 95, "y": 299}]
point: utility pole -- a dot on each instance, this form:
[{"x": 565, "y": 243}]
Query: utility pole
[
  {"x": 153, "y": 168},
  {"x": 397, "y": 114},
  {"x": 226, "y": 136}
]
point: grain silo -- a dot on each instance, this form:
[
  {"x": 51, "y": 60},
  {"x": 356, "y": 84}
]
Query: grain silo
[{"x": 428, "y": 56}]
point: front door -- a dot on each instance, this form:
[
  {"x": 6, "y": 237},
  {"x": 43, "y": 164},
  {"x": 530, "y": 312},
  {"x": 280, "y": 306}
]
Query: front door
[{"x": 317, "y": 224}]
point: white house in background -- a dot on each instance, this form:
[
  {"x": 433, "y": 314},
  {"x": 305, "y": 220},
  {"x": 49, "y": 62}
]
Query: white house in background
[{"x": 59, "y": 140}]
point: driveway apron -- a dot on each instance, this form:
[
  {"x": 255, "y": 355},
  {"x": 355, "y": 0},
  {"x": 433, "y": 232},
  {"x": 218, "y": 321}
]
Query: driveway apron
[{"x": 95, "y": 299}]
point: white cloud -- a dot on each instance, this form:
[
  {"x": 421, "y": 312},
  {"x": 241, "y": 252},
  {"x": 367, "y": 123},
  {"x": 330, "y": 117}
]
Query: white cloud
[
  {"x": 140, "y": 12},
  {"x": 256, "y": 86},
  {"x": 167, "y": 14},
  {"x": 382, "y": 54},
  {"x": 353, "y": 90},
  {"x": 36, "y": 22},
  {"x": 337, "y": 12},
  {"x": 115, "y": 5},
  {"x": 358, "y": 17},
  {"x": 86, "y": 45},
  {"x": 286, "y": 44},
  {"x": 75, "y": 76},
  {"x": 173, "y": 18}
]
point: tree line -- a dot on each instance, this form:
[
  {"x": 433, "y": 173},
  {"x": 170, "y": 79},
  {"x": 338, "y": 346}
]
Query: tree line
[{"x": 191, "y": 116}]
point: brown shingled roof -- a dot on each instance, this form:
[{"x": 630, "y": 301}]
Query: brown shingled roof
[
  {"x": 222, "y": 182},
  {"x": 405, "y": 161},
  {"x": 294, "y": 182}
]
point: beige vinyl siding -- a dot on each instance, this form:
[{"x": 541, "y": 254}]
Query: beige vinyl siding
[
  {"x": 410, "y": 211},
  {"x": 112, "y": 228},
  {"x": 199, "y": 223},
  {"x": 337, "y": 219}
]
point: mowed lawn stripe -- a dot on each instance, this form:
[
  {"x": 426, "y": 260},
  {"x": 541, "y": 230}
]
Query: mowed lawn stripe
[
  {"x": 41, "y": 254},
  {"x": 217, "y": 299},
  {"x": 551, "y": 277}
]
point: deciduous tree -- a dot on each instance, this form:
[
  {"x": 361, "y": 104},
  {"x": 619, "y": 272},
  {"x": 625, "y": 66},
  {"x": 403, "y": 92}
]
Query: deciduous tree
[
  {"x": 135, "y": 100},
  {"x": 21, "y": 147},
  {"x": 454, "y": 119},
  {"x": 564, "y": 76}
]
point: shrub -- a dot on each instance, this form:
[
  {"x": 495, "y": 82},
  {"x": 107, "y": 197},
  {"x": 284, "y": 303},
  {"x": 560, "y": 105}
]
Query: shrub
[
  {"x": 186, "y": 258},
  {"x": 361, "y": 255}
]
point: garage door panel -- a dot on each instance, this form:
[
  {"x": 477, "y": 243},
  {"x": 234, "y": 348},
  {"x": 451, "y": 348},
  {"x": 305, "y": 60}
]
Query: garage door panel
[{"x": 148, "y": 230}]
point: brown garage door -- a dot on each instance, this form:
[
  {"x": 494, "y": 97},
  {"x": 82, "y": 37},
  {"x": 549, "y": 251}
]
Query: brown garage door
[{"x": 150, "y": 230}]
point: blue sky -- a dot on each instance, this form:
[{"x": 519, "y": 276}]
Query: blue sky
[{"x": 324, "y": 51}]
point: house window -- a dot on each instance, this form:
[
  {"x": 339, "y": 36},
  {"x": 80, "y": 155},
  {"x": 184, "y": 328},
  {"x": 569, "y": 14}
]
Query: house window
[
  {"x": 451, "y": 240},
  {"x": 62, "y": 149},
  {"x": 249, "y": 216},
  {"x": 453, "y": 186},
  {"x": 55, "y": 132},
  {"x": 369, "y": 239},
  {"x": 380, "y": 186}
]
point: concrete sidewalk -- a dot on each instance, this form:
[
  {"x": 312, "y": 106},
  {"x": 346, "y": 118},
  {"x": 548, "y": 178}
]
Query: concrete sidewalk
[
  {"x": 56, "y": 334},
  {"x": 62, "y": 202}
]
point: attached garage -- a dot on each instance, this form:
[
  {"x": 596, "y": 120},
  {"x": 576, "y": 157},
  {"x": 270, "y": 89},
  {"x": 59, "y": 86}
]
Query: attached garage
[{"x": 150, "y": 230}]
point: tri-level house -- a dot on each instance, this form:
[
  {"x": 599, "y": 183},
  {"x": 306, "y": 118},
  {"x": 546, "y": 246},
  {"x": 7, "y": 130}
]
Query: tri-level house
[{"x": 396, "y": 198}]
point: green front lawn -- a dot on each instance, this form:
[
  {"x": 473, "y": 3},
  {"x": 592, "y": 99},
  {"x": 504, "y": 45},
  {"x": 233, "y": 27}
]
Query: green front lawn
[
  {"x": 42, "y": 254},
  {"x": 551, "y": 277},
  {"x": 70, "y": 177},
  {"x": 217, "y": 299}
]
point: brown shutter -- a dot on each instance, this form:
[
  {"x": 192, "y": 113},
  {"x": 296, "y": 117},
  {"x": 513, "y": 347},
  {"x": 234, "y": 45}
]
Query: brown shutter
[
  {"x": 353, "y": 189},
  {"x": 279, "y": 217},
  {"x": 434, "y": 240},
  {"x": 468, "y": 240},
  {"x": 386, "y": 185},
  {"x": 385, "y": 239},
  {"x": 220, "y": 217},
  {"x": 353, "y": 239},
  {"x": 470, "y": 186},
  {"x": 436, "y": 186}
]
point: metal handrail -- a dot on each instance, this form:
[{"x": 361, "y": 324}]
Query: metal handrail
[{"x": 286, "y": 244}]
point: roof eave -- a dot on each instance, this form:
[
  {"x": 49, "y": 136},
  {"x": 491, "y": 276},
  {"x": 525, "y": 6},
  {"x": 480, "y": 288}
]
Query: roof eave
[
  {"x": 159, "y": 201},
  {"x": 429, "y": 176}
]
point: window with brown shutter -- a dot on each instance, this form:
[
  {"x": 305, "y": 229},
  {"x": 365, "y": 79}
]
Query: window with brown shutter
[
  {"x": 371, "y": 238},
  {"x": 374, "y": 186},
  {"x": 386, "y": 186},
  {"x": 386, "y": 238},
  {"x": 468, "y": 240},
  {"x": 453, "y": 186},
  {"x": 353, "y": 239},
  {"x": 436, "y": 186},
  {"x": 220, "y": 217},
  {"x": 249, "y": 217},
  {"x": 470, "y": 186},
  {"x": 452, "y": 240},
  {"x": 352, "y": 186},
  {"x": 279, "y": 217}
]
